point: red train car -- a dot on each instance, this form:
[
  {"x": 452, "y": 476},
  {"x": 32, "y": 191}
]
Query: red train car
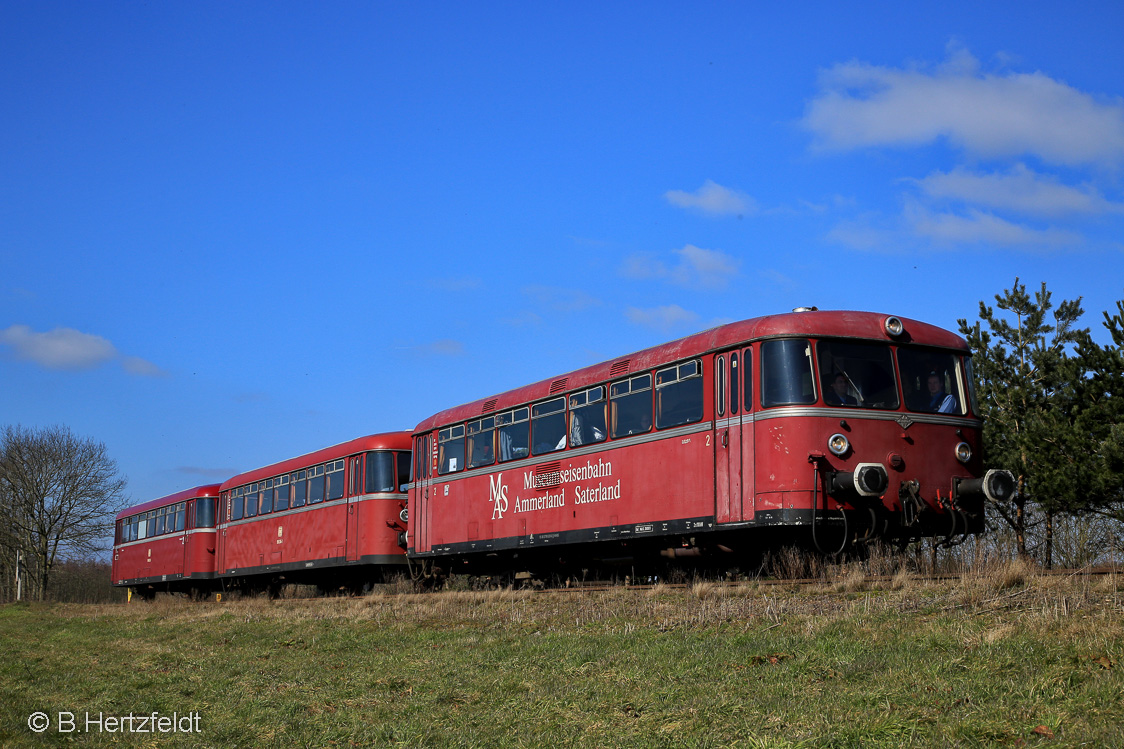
[
  {"x": 167, "y": 544},
  {"x": 333, "y": 516},
  {"x": 828, "y": 428}
]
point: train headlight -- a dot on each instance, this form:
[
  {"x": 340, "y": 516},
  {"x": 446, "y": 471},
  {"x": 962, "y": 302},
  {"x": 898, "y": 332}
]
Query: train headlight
[
  {"x": 404, "y": 516},
  {"x": 963, "y": 452},
  {"x": 894, "y": 327},
  {"x": 838, "y": 444}
]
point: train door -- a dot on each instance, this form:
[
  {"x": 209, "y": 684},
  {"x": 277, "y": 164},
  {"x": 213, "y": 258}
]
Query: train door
[
  {"x": 423, "y": 468},
  {"x": 733, "y": 436},
  {"x": 744, "y": 387},
  {"x": 727, "y": 437},
  {"x": 354, "y": 506},
  {"x": 220, "y": 533}
]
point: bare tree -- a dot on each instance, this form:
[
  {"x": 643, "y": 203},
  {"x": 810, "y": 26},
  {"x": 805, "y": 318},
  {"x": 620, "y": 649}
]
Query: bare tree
[{"x": 58, "y": 497}]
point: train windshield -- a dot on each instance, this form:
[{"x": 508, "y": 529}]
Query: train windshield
[
  {"x": 931, "y": 381},
  {"x": 860, "y": 375},
  {"x": 786, "y": 373},
  {"x": 205, "y": 512}
]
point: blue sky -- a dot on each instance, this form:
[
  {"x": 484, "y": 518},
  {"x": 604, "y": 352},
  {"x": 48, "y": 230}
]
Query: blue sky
[{"x": 231, "y": 233}]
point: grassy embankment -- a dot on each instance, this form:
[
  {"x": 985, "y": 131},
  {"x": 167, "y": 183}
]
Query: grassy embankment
[{"x": 991, "y": 659}]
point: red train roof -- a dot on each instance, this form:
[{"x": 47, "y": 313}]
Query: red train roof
[
  {"x": 817, "y": 324},
  {"x": 209, "y": 490},
  {"x": 384, "y": 441}
]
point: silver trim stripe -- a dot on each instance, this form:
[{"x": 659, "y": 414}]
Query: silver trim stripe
[{"x": 859, "y": 414}]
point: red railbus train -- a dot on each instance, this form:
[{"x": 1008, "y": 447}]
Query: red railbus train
[
  {"x": 331, "y": 517},
  {"x": 168, "y": 543},
  {"x": 831, "y": 428},
  {"x": 823, "y": 429}
]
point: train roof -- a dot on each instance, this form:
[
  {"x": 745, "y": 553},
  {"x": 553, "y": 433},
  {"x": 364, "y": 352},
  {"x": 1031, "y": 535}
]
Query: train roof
[
  {"x": 208, "y": 490},
  {"x": 383, "y": 441},
  {"x": 814, "y": 324}
]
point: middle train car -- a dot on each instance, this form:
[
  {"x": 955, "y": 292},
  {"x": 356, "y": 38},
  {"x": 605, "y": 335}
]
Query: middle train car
[
  {"x": 811, "y": 427},
  {"x": 331, "y": 517}
]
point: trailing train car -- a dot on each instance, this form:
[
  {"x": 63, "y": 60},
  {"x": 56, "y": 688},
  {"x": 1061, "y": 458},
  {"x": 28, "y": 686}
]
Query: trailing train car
[
  {"x": 332, "y": 517},
  {"x": 167, "y": 544},
  {"x": 828, "y": 429}
]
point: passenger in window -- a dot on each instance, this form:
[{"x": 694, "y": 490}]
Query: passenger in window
[
  {"x": 837, "y": 394},
  {"x": 939, "y": 401},
  {"x": 576, "y": 430}
]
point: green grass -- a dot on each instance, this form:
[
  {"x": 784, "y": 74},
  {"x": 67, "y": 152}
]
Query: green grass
[{"x": 968, "y": 663}]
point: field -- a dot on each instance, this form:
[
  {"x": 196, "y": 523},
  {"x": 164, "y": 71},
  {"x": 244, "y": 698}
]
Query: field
[{"x": 1002, "y": 658}]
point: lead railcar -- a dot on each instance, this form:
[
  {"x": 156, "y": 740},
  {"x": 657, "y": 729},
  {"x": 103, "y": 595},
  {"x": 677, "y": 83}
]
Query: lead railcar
[{"x": 822, "y": 428}]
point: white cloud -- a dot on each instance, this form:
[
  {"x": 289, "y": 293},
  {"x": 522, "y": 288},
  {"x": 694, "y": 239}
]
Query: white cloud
[
  {"x": 713, "y": 199},
  {"x": 979, "y": 226},
  {"x": 141, "y": 367},
  {"x": 663, "y": 318},
  {"x": 61, "y": 348},
  {"x": 561, "y": 300},
  {"x": 1021, "y": 190},
  {"x": 442, "y": 347},
  {"x": 463, "y": 283},
  {"x": 210, "y": 473},
  {"x": 69, "y": 349},
  {"x": 994, "y": 115},
  {"x": 692, "y": 267}
]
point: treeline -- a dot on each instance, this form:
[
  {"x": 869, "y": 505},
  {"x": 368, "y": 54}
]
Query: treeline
[
  {"x": 1053, "y": 405},
  {"x": 73, "y": 581}
]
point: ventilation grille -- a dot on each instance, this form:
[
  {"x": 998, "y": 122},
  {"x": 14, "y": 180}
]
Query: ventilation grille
[
  {"x": 489, "y": 406},
  {"x": 619, "y": 368},
  {"x": 548, "y": 475},
  {"x": 558, "y": 385}
]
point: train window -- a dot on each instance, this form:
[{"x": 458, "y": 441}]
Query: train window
[
  {"x": 587, "y": 417},
  {"x": 205, "y": 512},
  {"x": 317, "y": 482},
  {"x": 721, "y": 395},
  {"x": 251, "y": 501},
  {"x": 679, "y": 395},
  {"x": 403, "y": 471},
  {"x": 159, "y": 521},
  {"x": 335, "y": 479},
  {"x": 281, "y": 493},
  {"x": 970, "y": 376},
  {"x": 857, "y": 374},
  {"x": 450, "y": 450},
  {"x": 380, "y": 472},
  {"x": 631, "y": 406},
  {"x": 734, "y": 383},
  {"x": 421, "y": 447},
  {"x": 481, "y": 442},
  {"x": 266, "y": 497},
  {"x": 181, "y": 515},
  {"x": 237, "y": 504},
  {"x": 300, "y": 488},
  {"x": 931, "y": 381},
  {"x": 515, "y": 433},
  {"x": 747, "y": 373},
  {"x": 548, "y": 426},
  {"x": 786, "y": 373}
]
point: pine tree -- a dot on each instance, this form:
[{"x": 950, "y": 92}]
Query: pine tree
[{"x": 1030, "y": 384}]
